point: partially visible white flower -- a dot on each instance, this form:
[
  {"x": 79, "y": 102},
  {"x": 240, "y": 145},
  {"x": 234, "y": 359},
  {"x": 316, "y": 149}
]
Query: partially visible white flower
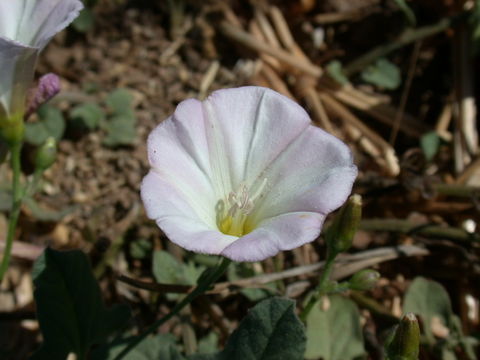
[
  {"x": 26, "y": 26},
  {"x": 244, "y": 174}
]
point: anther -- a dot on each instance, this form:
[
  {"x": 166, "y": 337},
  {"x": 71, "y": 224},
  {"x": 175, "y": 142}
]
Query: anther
[{"x": 241, "y": 204}]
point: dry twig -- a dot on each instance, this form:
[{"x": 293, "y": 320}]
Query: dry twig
[{"x": 346, "y": 265}]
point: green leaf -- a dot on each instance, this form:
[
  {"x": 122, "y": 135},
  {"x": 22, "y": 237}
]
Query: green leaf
[
  {"x": 334, "y": 333},
  {"x": 408, "y": 12},
  {"x": 430, "y": 143},
  {"x": 51, "y": 123},
  {"x": 469, "y": 344},
  {"x": 166, "y": 269},
  {"x": 383, "y": 74},
  {"x": 192, "y": 272},
  {"x": 270, "y": 331},
  {"x": 335, "y": 70},
  {"x": 430, "y": 301},
  {"x": 85, "y": 21},
  {"x": 243, "y": 270},
  {"x": 159, "y": 347},
  {"x": 448, "y": 354},
  {"x": 120, "y": 127},
  {"x": 91, "y": 87},
  {"x": 120, "y": 102},
  {"x": 70, "y": 310},
  {"x": 88, "y": 115},
  {"x": 36, "y": 133},
  {"x": 120, "y": 131},
  {"x": 206, "y": 260},
  {"x": 208, "y": 344},
  {"x": 140, "y": 248},
  {"x": 47, "y": 215}
]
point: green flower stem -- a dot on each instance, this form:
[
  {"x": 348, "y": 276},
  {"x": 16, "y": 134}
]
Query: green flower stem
[
  {"x": 322, "y": 287},
  {"x": 200, "y": 289},
  {"x": 15, "y": 150}
]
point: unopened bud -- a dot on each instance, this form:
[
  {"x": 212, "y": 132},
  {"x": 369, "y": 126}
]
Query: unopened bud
[
  {"x": 340, "y": 234},
  {"x": 46, "y": 154},
  {"x": 48, "y": 86},
  {"x": 364, "y": 280},
  {"x": 406, "y": 340}
]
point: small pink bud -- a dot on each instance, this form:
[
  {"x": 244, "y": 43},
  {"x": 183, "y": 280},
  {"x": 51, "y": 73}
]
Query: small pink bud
[{"x": 48, "y": 87}]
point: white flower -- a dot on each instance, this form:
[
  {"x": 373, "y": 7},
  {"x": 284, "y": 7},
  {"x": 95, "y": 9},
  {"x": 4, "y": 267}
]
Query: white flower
[
  {"x": 244, "y": 174},
  {"x": 26, "y": 26}
]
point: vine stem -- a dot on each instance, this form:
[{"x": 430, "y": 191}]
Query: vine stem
[
  {"x": 321, "y": 287},
  {"x": 200, "y": 289},
  {"x": 15, "y": 150}
]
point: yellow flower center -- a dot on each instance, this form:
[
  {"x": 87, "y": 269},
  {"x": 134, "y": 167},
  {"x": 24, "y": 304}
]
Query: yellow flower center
[{"x": 235, "y": 220}]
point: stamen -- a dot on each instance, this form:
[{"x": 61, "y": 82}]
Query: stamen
[{"x": 241, "y": 205}]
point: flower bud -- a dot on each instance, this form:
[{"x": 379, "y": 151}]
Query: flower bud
[
  {"x": 46, "y": 154},
  {"x": 406, "y": 340},
  {"x": 48, "y": 87},
  {"x": 364, "y": 280},
  {"x": 340, "y": 234}
]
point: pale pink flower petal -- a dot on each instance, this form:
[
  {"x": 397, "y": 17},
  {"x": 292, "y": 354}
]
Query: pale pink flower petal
[
  {"x": 255, "y": 125},
  {"x": 283, "y": 232},
  {"x": 178, "y": 154},
  {"x": 33, "y": 23},
  {"x": 176, "y": 216},
  {"x": 246, "y": 174},
  {"x": 315, "y": 173},
  {"x": 17, "y": 64}
]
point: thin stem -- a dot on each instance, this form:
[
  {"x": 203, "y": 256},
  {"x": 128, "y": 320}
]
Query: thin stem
[
  {"x": 200, "y": 289},
  {"x": 321, "y": 287},
  {"x": 15, "y": 150},
  {"x": 374, "y": 307},
  {"x": 409, "y": 227}
]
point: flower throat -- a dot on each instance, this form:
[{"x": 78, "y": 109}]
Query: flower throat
[{"x": 234, "y": 220}]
